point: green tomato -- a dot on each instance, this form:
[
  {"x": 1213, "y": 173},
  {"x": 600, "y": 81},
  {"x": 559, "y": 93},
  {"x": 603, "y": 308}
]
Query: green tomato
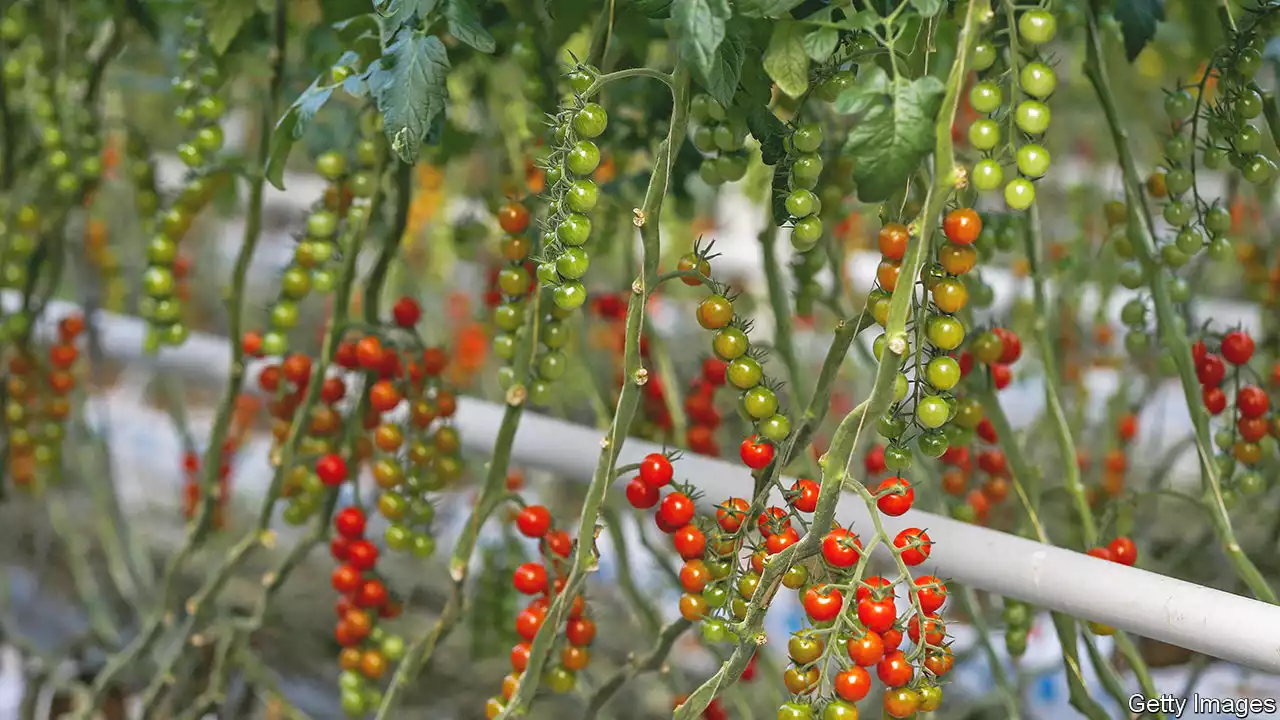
[
  {"x": 801, "y": 203},
  {"x": 1220, "y": 249},
  {"x": 583, "y": 158},
  {"x": 984, "y": 56},
  {"x": 731, "y": 167},
  {"x": 760, "y": 402},
  {"x": 932, "y": 443},
  {"x": 158, "y": 282},
  {"x": 552, "y": 365},
  {"x": 709, "y": 172},
  {"x": 987, "y": 175},
  {"x": 700, "y": 108},
  {"x": 570, "y": 295},
  {"x": 1033, "y": 161},
  {"x": 1032, "y": 117},
  {"x": 1178, "y": 181},
  {"x": 1038, "y": 80},
  {"x": 932, "y": 411},
  {"x": 1132, "y": 276},
  {"x": 1037, "y": 27},
  {"x": 1259, "y": 169},
  {"x": 1173, "y": 257},
  {"x": 986, "y": 97},
  {"x": 943, "y": 372},
  {"x": 806, "y": 232},
  {"x": 1177, "y": 213},
  {"x": 945, "y": 331},
  {"x": 1248, "y": 140},
  {"x": 1249, "y": 104},
  {"x": 805, "y": 171},
  {"x": 582, "y": 196},
  {"x": 807, "y": 138},
  {"x": 704, "y": 140},
  {"x": 730, "y": 343},
  {"x": 795, "y": 710},
  {"x": 1217, "y": 220},
  {"x": 1179, "y": 105},
  {"x": 590, "y": 121},
  {"x": 901, "y": 386},
  {"x": 1019, "y": 194},
  {"x": 574, "y": 230},
  {"x": 1178, "y": 149},
  {"x": 776, "y": 428},
  {"x": 897, "y": 457},
  {"x": 744, "y": 372},
  {"x": 573, "y": 263},
  {"x": 984, "y": 134}
]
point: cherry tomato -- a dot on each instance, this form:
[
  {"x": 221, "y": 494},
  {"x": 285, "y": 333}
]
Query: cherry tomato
[
  {"x": 841, "y": 548},
  {"x": 867, "y": 650},
  {"x": 1252, "y": 401},
  {"x": 962, "y": 226},
  {"x": 1123, "y": 551},
  {"x": 731, "y": 514},
  {"x": 931, "y": 593},
  {"x": 901, "y": 702},
  {"x": 656, "y": 470},
  {"x": 913, "y": 544},
  {"x": 853, "y": 684},
  {"x": 689, "y": 542},
  {"x": 530, "y": 578},
  {"x": 676, "y": 510},
  {"x": 534, "y": 521},
  {"x": 894, "y": 670},
  {"x": 641, "y": 495},
  {"x": 822, "y": 604},
  {"x": 877, "y": 615},
  {"x": 1237, "y": 347},
  {"x": 893, "y": 239},
  {"x": 755, "y": 453},
  {"x": 805, "y": 498},
  {"x": 894, "y": 496}
]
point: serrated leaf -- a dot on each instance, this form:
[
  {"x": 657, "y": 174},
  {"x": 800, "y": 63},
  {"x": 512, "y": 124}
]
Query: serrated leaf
[
  {"x": 702, "y": 27},
  {"x": 408, "y": 84},
  {"x": 464, "y": 24},
  {"x": 786, "y": 61},
  {"x": 721, "y": 80},
  {"x": 1138, "y": 20},
  {"x": 401, "y": 12},
  {"x": 892, "y": 129},
  {"x": 226, "y": 19},
  {"x": 769, "y": 131},
  {"x": 767, "y": 8},
  {"x": 291, "y": 126},
  {"x": 820, "y": 43},
  {"x": 927, "y": 8}
]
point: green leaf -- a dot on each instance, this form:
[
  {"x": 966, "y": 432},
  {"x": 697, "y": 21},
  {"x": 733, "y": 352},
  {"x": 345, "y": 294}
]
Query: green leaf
[
  {"x": 464, "y": 24},
  {"x": 785, "y": 59},
  {"x": 892, "y": 131},
  {"x": 702, "y": 27},
  {"x": 292, "y": 125},
  {"x": 862, "y": 20},
  {"x": 408, "y": 84},
  {"x": 401, "y": 12},
  {"x": 767, "y": 8},
  {"x": 927, "y": 8},
  {"x": 820, "y": 43},
  {"x": 226, "y": 19},
  {"x": 721, "y": 80},
  {"x": 769, "y": 131},
  {"x": 1138, "y": 20},
  {"x": 652, "y": 9}
]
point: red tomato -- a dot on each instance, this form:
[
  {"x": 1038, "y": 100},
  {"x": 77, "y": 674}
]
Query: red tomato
[
  {"x": 894, "y": 496},
  {"x": 534, "y": 521},
  {"x": 1237, "y": 347},
  {"x": 731, "y": 514},
  {"x": 805, "y": 495},
  {"x": 841, "y": 548},
  {"x": 962, "y": 226},
  {"x": 867, "y": 650},
  {"x": 1123, "y": 551},
  {"x": 689, "y": 542},
  {"x": 877, "y": 615},
  {"x": 656, "y": 470},
  {"x": 931, "y": 593},
  {"x": 641, "y": 495},
  {"x": 914, "y": 545},
  {"x": 676, "y": 510},
  {"x": 853, "y": 684},
  {"x": 755, "y": 453},
  {"x": 1252, "y": 401},
  {"x": 349, "y": 522},
  {"x": 822, "y": 604},
  {"x": 530, "y": 578},
  {"x": 894, "y": 670}
]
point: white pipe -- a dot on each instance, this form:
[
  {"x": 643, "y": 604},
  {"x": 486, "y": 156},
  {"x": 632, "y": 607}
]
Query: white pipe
[{"x": 1219, "y": 624}]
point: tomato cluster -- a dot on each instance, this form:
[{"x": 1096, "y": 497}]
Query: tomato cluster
[
  {"x": 720, "y": 138},
  {"x": 544, "y": 581},
  {"x": 368, "y": 650},
  {"x": 700, "y": 406},
  {"x": 1254, "y": 425},
  {"x": 1120, "y": 550},
  {"x": 192, "y": 486},
  {"x": 199, "y": 114},
  {"x": 1030, "y": 83},
  {"x": 37, "y": 405}
]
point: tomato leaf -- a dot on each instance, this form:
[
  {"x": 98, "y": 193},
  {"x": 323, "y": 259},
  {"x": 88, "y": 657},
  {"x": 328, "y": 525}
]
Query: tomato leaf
[
  {"x": 785, "y": 59},
  {"x": 402, "y": 12},
  {"x": 653, "y": 9},
  {"x": 769, "y": 131},
  {"x": 892, "y": 129},
  {"x": 292, "y": 125},
  {"x": 927, "y": 8},
  {"x": 721, "y": 79},
  {"x": 464, "y": 24},
  {"x": 861, "y": 20},
  {"x": 702, "y": 27},
  {"x": 820, "y": 43},
  {"x": 1138, "y": 20},
  {"x": 227, "y": 21},
  {"x": 408, "y": 84},
  {"x": 767, "y": 8}
]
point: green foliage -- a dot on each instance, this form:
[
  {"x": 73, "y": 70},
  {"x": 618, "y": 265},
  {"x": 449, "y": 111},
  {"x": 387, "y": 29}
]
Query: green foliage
[
  {"x": 701, "y": 27},
  {"x": 786, "y": 59},
  {"x": 226, "y": 19},
  {"x": 1138, "y": 20},
  {"x": 408, "y": 84},
  {"x": 892, "y": 130}
]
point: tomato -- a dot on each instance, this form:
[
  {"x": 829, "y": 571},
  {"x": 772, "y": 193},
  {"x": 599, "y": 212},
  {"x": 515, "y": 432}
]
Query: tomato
[
  {"x": 755, "y": 454},
  {"x": 913, "y": 544},
  {"x": 590, "y": 121},
  {"x": 887, "y": 274},
  {"x": 694, "y": 576},
  {"x": 331, "y": 469},
  {"x": 894, "y": 496},
  {"x": 892, "y": 240},
  {"x": 1215, "y": 400},
  {"x": 875, "y": 587},
  {"x": 840, "y": 710},
  {"x": 950, "y": 295},
  {"x": 805, "y": 495},
  {"x": 676, "y": 510},
  {"x": 901, "y": 702},
  {"x": 1033, "y": 160},
  {"x": 689, "y": 542},
  {"x": 930, "y": 592},
  {"x": 345, "y": 579},
  {"x": 580, "y": 631},
  {"x": 529, "y": 621},
  {"x": 350, "y": 523},
  {"x": 1101, "y": 553},
  {"x": 780, "y": 541},
  {"x": 530, "y": 578},
  {"x": 369, "y": 353},
  {"x": 1038, "y": 80},
  {"x": 362, "y": 555},
  {"x": 873, "y": 461},
  {"x": 932, "y": 628},
  {"x": 866, "y": 650},
  {"x": 656, "y": 470},
  {"x": 715, "y": 312},
  {"x": 731, "y": 514},
  {"x": 822, "y": 604},
  {"x": 534, "y": 521},
  {"x": 693, "y": 607},
  {"x": 513, "y": 217},
  {"x": 1010, "y": 346},
  {"x": 962, "y": 226},
  {"x": 877, "y": 615},
  {"x": 894, "y": 670},
  {"x": 1237, "y": 347},
  {"x": 1123, "y": 551},
  {"x": 853, "y": 684},
  {"x": 641, "y": 495},
  {"x": 795, "y": 710},
  {"x": 841, "y": 548},
  {"x": 804, "y": 648},
  {"x": 773, "y": 520},
  {"x": 1252, "y": 401}
]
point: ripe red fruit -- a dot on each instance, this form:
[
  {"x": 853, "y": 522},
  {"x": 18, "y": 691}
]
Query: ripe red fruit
[
  {"x": 689, "y": 542},
  {"x": 676, "y": 510},
  {"x": 580, "y": 631},
  {"x": 805, "y": 497},
  {"x": 841, "y": 548},
  {"x": 331, "y": 469},
  {"x": 1252, "y": 401},
  {"x": 1237, "y": 347},
  {"x": 362, "y": 555},
  {"x": 822, "y": 604},
  {"x": 755, "y": 453},
  {"x": 1123, "y": 551},
  {"x": 877, "y": 615},
  {"x": 406, "y": 312},
  {"x": 914, "y": 545},
  {"x": 1211, "y": 371},
  {"x": 780, "y": 541},
  {"x": 656, "y": 470},
  {"x": 895, "y": 496},
  {"x": 1102, "y": 553},
  {"x": 641, "y": 495},
  {"x": 1198, "y": 351},
  {"x": 559, "y": 543},
  {"x": 339, "y": 547},
  {"x": 773, "y": 520},
  {"x": 1011, "y": 345},
  {"x": 874, "y": 460},
  {"x": 987, "y": 431},
  {"x": 530, "y": 578},
  {"x": 1215, "y": 400},
  {"x": 534, "y": 521},
  {"x": 931, "y": 592},
  {"x": 1001, "y": 375},
  {"x": 345, "y": 579},
  {"x": 732, "y": 513},
  {"x": 372, "y": 594},
  {"x": 528, "y": 622},
  {"x": 349, "y": 522},
  {"x": 369, "y": 353}
]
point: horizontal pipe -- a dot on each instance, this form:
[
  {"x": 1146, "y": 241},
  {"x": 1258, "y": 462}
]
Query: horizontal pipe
[{"x": 1209, "y": 621}]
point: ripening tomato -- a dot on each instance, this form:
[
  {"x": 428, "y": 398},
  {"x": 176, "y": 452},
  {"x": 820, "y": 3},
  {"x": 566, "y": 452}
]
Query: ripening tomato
[
  {"x": 962, "y": 226},
  {"x": 732, "y": 513}
]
